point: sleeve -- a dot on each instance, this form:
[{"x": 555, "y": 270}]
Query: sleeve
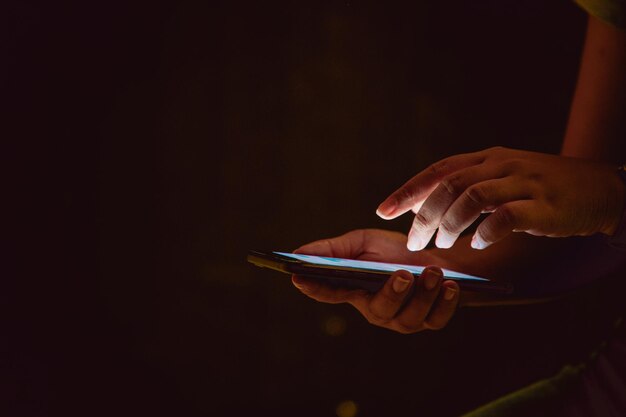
[{"x": 612, "y": 12}]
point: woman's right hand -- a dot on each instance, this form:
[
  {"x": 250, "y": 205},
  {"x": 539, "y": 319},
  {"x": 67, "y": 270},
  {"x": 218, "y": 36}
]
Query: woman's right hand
[
  {"x": 404, "y": 304},
  {"x": 532, "y": 192}
]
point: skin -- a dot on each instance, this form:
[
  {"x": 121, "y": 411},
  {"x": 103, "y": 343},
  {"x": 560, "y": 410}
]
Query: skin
[
  {"x": 404, "y": 304},
  {"x": 577, "y": 193},
  {"x": 540, "y": 194}
]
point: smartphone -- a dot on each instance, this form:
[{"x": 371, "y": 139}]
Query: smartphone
[{"x": 367, "y": 275}]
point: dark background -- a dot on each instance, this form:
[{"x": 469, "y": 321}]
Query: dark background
[{"x": 149, "y": 146}]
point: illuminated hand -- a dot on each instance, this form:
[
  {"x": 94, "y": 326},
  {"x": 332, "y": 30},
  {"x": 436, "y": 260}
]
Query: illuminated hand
[
  {"x": 404, "y": 304},
  {"x": 540, "y": 194}
]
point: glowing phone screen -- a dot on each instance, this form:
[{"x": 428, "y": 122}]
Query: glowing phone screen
[{"x": 374, "y": 266}]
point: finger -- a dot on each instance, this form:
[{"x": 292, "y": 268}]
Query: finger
[
  {"x": 325, "y": 293},
  {"x": 479, "y": 198},
  {"x": 517, "y": 215},
  {"x": 429, "y": 216},
  {"x": 420, "y": 234},
  {"x": 444, "y": 307},
  {"x": 386, "y": 303},
  {"x": 349, "y": 245},
  {"x": 412, "y": 317},
  {"x": 412, "y": 194}
]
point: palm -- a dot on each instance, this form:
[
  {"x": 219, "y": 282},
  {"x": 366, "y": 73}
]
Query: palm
[{"x": 381, "y": 246}]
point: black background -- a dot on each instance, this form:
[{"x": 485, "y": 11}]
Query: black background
[{"x": 149, "y": 146}]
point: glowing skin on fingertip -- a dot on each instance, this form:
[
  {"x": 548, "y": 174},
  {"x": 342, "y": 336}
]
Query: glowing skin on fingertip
[
  {"x": 386, "y": 209},
  {"x": 414, "y": 243},
  {"x": 478, "y": 243},
  {"x": 444, "y": 241},
  {"x": 411, "y": 246}
]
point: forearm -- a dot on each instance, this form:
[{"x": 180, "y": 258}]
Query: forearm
[
  {"x": 597, "y": 127},
  {"x": 596, "y": 130}
]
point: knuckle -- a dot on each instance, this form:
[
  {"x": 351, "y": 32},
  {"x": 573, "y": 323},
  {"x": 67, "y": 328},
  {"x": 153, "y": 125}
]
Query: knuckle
[
  {"x": 496, "y": 153},
  {"x": 514, "y": 165},
  {"x": 375, "y": 318},
  {"x": 448, "y": 226},
  {"x": 358, "y": 235},
  {"x": 504, "y": 215},
  {"x": 477, "y": 194},
  {"x": 404, "y": 194},
  {"x": 496, "y": 149},
  {"x": 503, "y": 218},
  {"x": 407, "y": 329},
  {"x": 438, "y": 168},
  {"x": 535, "y": 177},
  {"x": 453, "y": 184},
  {"x": 550, "y": 197},
  {"x": 390, "y": 297},
  {"x": 421, "y": 220}
]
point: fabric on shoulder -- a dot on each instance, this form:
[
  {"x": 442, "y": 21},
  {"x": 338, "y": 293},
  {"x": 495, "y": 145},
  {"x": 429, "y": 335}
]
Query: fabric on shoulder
[{"x": 609, "y": 11}]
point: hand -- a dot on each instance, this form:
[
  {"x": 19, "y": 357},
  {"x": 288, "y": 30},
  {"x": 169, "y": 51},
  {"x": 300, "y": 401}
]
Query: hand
[
  {"x": 404, "y": 304},
  {"x": 540, "y": 194}
]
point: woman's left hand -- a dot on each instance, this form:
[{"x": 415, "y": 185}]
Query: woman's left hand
[
  {"x": 540, "y": 194},
  {"x": 405, "y": 304}
]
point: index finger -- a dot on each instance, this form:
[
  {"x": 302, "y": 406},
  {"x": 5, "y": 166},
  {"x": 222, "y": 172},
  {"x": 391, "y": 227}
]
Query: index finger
[{"x": 413, "y": 193}]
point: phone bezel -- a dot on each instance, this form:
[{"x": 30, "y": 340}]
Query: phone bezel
[{"x": 350, "y": 277}]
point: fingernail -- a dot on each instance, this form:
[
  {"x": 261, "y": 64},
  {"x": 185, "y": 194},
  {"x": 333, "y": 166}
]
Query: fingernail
[
  {"x": 478, "y": 243},
  {"x": 386, "y": 208},
  {"x": 400, "y": 284},
  {"x": 413, "y": 243},
  {"x": 431, "y": 278},
  {"x": 449, "y": 293}
]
